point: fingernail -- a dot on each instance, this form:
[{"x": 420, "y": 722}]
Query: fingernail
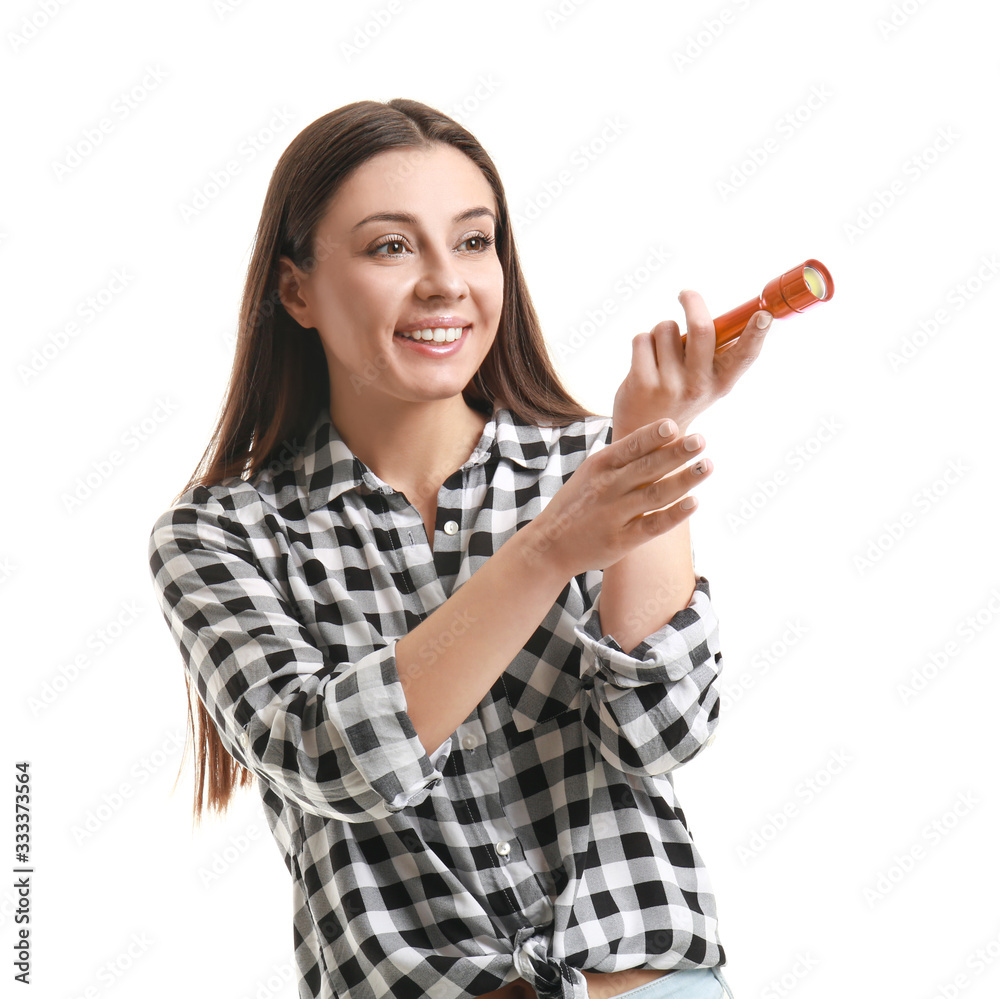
[
  {"x": 764, "y": 320},
  {"x": 687, "y": 502},
  {"x": 693, "y": 442},
  {"x": 668, "y": 428}
]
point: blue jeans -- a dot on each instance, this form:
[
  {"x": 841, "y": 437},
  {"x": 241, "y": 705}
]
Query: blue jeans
[{"x": 689, "y": 983}]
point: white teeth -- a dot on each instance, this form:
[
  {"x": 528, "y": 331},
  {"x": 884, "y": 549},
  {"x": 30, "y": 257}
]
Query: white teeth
[{"x": 440, "y": 335}]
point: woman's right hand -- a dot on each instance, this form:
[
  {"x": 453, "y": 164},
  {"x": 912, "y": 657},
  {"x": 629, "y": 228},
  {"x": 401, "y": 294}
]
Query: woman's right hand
[{"x": 606, "y": 507}]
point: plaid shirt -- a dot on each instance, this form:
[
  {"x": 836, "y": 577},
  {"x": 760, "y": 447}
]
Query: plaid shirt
[{"x": 543, "y": 836}]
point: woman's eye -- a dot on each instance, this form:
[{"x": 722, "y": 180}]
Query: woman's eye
[
  {"x": 396, "y": 248},
  {"x": 481, "y": 243}
]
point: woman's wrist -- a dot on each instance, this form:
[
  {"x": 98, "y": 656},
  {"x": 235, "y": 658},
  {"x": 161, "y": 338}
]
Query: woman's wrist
[{"x": 538, "y": 546}]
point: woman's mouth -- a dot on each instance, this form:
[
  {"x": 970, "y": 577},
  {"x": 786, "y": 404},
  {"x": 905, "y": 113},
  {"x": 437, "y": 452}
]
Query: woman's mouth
[
  {"x": 437, "y": 342},
  {"x": 440, "y": 334}
]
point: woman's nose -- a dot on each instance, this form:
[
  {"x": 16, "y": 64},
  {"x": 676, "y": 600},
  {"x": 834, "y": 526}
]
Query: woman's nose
[{"x": 440, "y": 276}]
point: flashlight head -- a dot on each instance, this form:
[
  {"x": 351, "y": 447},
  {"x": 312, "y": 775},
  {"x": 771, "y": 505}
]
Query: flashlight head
[
  {"x": 814, "y": 282},
  {"x": 800, "y": 288}
]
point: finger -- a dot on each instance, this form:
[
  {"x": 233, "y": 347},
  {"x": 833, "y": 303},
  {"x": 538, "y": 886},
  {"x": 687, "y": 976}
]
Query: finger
[
  {"x": 733, "y": 360},
  {"x": 669, "y": 488},
  {"x": 640, "y": 443},
  {"x": 674, "y": 453},
  {"x": 644, "y": 371},
  {"x": 699, "y": 342},
  {"x": 667, "y": 337},
  {"x": 662, "y": 521}
]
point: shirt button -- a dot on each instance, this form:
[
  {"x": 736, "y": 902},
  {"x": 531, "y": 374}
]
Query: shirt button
[
  {"x": 451, "y": 527},
  {"x": 503, "y": 848},
  {"x": 244, "y": 739},
  {"x": 469, "y": 742}
]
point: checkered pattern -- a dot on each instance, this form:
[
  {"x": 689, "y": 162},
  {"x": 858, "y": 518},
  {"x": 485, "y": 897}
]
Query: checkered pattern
[{"x": 542, "y": 837}]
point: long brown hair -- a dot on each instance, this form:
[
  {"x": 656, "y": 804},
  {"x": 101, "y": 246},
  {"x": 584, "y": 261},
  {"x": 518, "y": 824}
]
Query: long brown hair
[{"x": 280, "y": 378}]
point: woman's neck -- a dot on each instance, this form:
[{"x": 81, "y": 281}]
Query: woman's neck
[{"x": 411, "y": 446}]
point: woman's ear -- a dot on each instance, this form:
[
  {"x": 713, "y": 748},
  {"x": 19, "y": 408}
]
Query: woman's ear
[{"x": 292, "y": 290}]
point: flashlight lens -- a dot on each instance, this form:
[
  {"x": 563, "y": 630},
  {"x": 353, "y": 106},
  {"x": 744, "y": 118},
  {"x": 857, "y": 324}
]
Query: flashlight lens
[{"x": 814, "y": 281}]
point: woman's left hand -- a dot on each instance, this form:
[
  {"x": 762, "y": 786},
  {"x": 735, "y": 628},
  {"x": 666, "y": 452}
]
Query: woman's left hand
[{"x": 678, "y": 378}]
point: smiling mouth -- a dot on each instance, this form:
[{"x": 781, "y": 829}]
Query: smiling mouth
[{"x": 440, "y": 334}]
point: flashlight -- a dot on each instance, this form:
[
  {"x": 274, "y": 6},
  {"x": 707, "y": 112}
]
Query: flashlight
[{"x": 794, "y": 291}]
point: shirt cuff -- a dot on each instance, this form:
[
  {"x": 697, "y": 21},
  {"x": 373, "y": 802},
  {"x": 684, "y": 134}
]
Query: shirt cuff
[
  {"x": 369, "y": 707},
  {"x": 688, "y": 639}
]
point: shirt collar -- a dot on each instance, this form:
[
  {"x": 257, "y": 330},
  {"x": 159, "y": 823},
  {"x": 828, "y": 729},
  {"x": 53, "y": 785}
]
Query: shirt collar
[{"x": 325, "y": 466}]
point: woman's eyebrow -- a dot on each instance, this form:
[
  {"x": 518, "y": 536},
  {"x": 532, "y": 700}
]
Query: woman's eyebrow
[{"x": 406, "y": 217}]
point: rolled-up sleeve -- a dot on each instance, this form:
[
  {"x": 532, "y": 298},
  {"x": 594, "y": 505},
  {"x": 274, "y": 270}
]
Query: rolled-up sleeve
[
  {"x": 334, "y": 738},
  {"x": 656, "y": 707}
]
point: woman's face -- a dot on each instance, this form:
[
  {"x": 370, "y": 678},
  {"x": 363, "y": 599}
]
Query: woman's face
[{"x": 408, "y": 242}]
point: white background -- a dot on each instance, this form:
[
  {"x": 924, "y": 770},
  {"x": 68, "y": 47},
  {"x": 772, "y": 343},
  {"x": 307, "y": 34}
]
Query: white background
[{"x": 848, "y": 530}]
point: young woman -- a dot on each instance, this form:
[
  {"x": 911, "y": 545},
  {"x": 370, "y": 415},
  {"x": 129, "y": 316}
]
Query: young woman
[{"x": 446, "y": 617}]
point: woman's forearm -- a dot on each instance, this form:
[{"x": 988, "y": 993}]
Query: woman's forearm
[
  {"x": 643, "y": 590},
  {"x": 448, "y": 663}
]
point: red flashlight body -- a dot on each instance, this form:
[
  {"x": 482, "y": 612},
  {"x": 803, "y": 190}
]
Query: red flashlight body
[{"x": 782, "y": 296}]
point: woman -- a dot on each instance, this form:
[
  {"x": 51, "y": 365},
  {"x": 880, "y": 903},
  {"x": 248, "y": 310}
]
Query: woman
[{"x": 404, "y": 581}]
